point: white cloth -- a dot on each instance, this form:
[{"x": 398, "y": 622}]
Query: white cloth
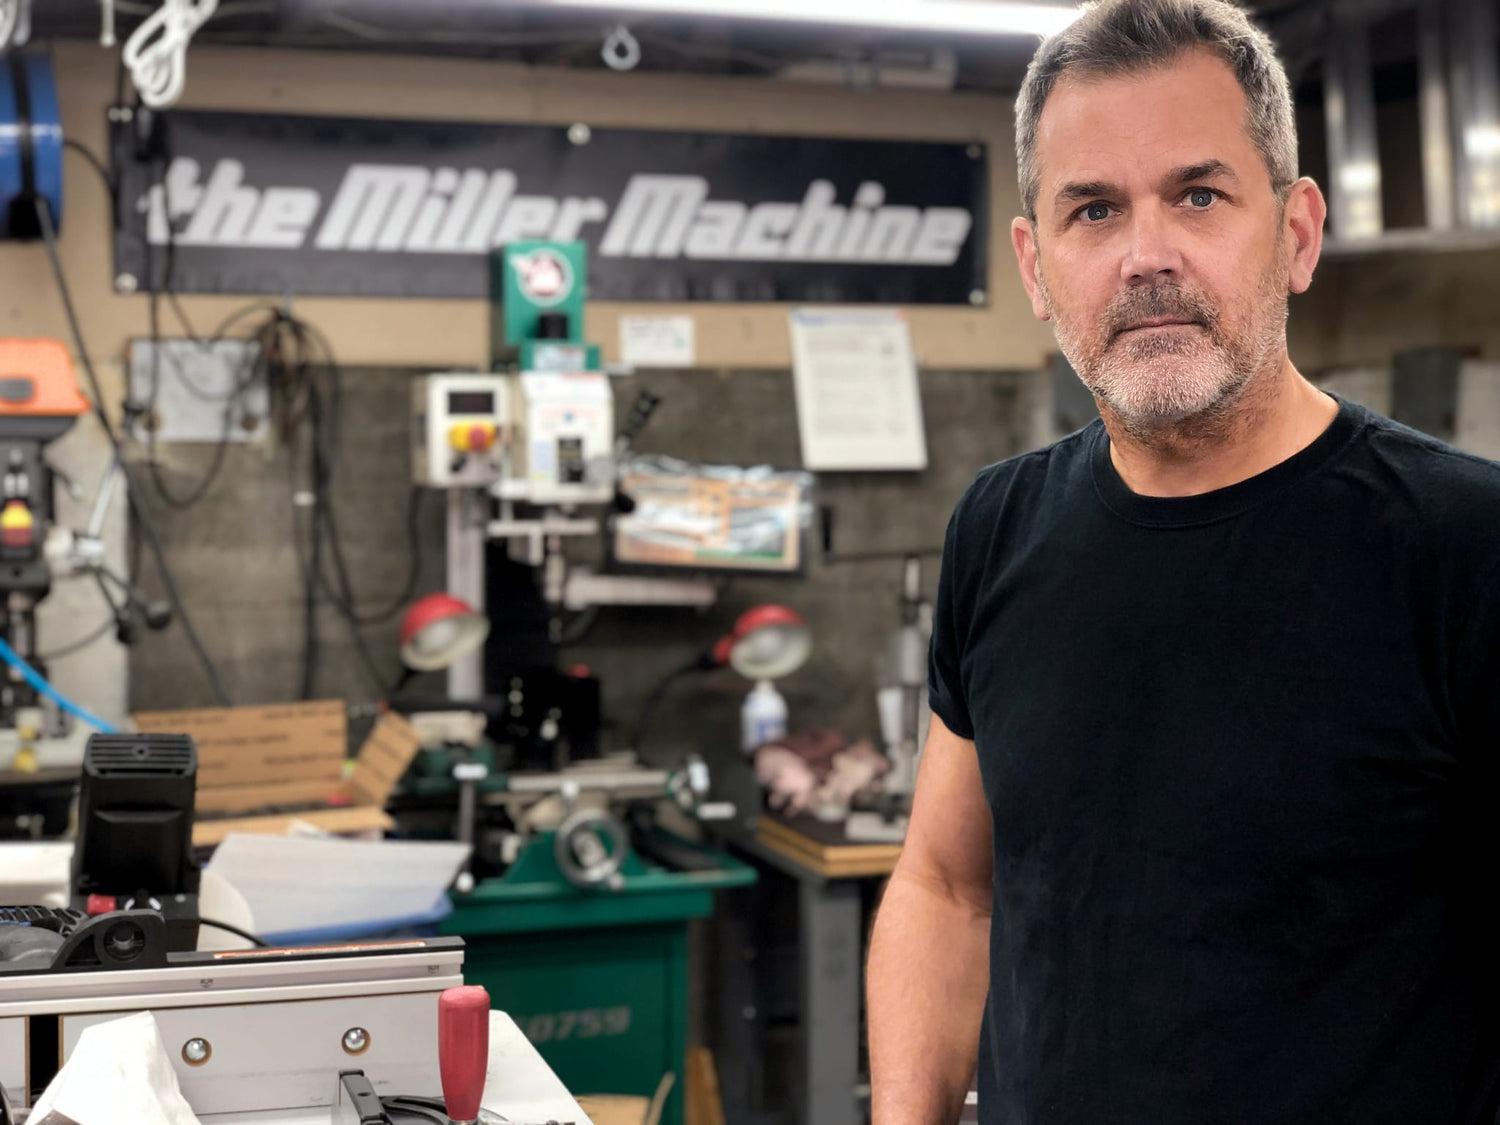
[{"x": 120, "y": 1071}]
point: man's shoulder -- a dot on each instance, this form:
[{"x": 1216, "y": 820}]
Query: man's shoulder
[
  {"x": 1021, "y": 480},
  {"x": 1435, "y": 494},
  {"x": 1438, "y": 478}
]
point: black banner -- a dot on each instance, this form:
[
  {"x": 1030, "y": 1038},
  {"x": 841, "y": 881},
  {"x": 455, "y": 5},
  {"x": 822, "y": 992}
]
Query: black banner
[{"x": 283, "y": 204}]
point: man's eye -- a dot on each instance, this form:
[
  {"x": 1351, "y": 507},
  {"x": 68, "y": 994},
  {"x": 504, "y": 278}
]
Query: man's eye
[
  {"x": 1202, "y": 197},
  {"x": 1096, "y": 212}
]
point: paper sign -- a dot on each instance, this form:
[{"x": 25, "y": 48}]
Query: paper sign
[
  {"x": 858, "y": 407},
  {"x": 657, "y": 341}
]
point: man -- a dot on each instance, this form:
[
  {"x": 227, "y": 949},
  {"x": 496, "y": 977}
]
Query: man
[{"x": 1203, "y": 828}]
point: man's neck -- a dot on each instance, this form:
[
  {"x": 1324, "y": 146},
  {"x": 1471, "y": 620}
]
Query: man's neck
[{"x": 1278, "y": 414}]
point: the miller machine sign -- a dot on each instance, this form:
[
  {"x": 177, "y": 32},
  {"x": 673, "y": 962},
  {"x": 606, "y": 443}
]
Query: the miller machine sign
[{"x": 348, "y": 206}]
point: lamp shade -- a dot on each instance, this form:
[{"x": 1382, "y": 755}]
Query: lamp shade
[
  {"x": 769, "y": 641},
  {"x": 438, "y": 629}
]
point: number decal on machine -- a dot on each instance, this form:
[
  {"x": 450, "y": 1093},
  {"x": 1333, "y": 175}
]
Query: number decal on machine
[{"x": 589, "y": 1023}]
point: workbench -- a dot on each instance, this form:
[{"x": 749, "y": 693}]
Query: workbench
[{"x": 829, "y": 872}]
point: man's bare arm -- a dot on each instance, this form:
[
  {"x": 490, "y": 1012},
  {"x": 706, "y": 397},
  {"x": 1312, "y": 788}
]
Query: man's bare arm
[{"x": 929, "y": 955}]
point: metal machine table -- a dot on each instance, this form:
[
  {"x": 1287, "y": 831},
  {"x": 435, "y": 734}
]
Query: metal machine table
[{"x": 829, "y": 967}]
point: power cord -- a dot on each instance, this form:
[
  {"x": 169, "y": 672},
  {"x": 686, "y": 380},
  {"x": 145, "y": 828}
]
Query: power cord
[
  {"x": 305, "y": 382},
  {"x": 258, "y": 942},
  {"x": 143, "y": 518},
  {"x": 133, "y": 410},
  {"x": 83, "y": 642}
]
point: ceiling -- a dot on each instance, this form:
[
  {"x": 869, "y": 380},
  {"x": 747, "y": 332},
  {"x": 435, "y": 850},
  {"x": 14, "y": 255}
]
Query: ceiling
[{"x": 539, "y": 36}]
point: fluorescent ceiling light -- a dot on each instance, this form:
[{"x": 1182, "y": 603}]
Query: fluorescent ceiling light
[{"x": 974, "y": 17}]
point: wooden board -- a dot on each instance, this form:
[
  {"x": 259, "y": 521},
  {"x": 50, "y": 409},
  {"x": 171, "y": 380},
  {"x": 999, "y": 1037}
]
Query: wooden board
[
  {"x": 247, "y": 798},
  {"x": 260, "y": 745},
  {"x": 703, "y": 1104},
  {"x": 388, "y": 750},
  {"x": 210, "y": 833},
  {"x": 824, "y": 848}
]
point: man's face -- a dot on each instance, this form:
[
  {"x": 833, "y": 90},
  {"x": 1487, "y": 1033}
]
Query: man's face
[{"x": 1160, "y": 250}]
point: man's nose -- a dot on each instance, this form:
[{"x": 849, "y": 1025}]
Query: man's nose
[{"x": 1152, "y": 253}]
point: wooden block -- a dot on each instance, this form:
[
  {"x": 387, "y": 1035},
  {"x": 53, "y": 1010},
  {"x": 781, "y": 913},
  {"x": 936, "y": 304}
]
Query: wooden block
[
  {"x": 361, "y": 818},
  {"x": 260, "y": 745},
  {"x": 614, "y": 1109},
  {"x": 390, "y": 748},
  {"x": 815, "y": 846},
  {"x": 704, "y": 1103},
  {"x": 247, "y": 798}
]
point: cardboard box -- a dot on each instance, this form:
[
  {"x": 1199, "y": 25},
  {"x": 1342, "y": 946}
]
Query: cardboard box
[{"x": 260, "y": 760}]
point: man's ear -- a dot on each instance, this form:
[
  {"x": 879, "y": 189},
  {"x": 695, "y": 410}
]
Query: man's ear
[
  {"x": 1306, "y": 209},
  {"x": 1023, "y": 238}
]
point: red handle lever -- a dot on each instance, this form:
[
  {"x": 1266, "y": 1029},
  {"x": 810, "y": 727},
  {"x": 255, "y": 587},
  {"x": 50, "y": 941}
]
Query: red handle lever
[{"x": 463, "y": 1049}]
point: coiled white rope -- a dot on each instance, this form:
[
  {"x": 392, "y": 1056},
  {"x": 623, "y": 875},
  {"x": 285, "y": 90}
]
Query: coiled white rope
[
  {"x": 15, "y": 23},
  {"x": 156, "y": 52}
]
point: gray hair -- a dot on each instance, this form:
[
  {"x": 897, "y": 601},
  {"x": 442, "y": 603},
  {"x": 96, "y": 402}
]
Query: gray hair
[{"x": 1116, "y": 37}]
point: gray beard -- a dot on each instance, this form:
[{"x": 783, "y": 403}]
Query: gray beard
[{"x": 1199, "y": 402}]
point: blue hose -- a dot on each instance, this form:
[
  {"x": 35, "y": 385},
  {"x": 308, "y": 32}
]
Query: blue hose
[{"x": 34, "y": 678}]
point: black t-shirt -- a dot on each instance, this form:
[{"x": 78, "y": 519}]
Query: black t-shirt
[{"x": 1240, "y": 752}]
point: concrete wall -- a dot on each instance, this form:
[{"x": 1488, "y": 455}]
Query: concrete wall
[
  {"x": 1362, "y": 310},
  {"x": 238, "y": 568},
  {"x": 234, "y": 556}
]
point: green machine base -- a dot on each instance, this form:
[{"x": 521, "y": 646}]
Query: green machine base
[{"x": 596, "y": 979}]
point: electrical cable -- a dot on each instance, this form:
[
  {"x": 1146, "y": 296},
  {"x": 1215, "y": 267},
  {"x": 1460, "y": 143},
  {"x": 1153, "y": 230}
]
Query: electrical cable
[
  {"x": 324, "y": 525},
  {"x": 428, "y": 1109},
  {"x": 287, "y": 350},
  {"x": 324, "y": 440},
  {"x": 183, "y": 503},
  {"x": 40, "y": 685},
  {"x": 154, "y": 616},
  {"x": 108, "y": 180},
  {"x": 259, "y": 943},
  {"x": 701, "y": 663},
  {"x": 98, "y": 165},
  {"x": 577, "y": 630},
  {"x": 242, "y": 383},
  {"x": 226, "y": 8},
  {"x": 109, "y": 599},
  {"x": 307, "y": 417},
  {"x": 80, "y": 644},
  {"x": 49, "y": 235},
  {"x": 344, "y": 596},
  {"x": 413, "y": 567}
]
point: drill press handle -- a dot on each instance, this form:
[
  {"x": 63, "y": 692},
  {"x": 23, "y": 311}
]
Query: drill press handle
[{"x": 463, "y": 1049}]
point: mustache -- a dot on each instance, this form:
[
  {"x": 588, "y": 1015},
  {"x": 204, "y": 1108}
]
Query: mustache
[{"x": 1167, "y": 300}]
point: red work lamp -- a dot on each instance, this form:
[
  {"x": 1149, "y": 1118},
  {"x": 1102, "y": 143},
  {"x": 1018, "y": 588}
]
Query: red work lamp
[
  {"x": 768, "y": 642},
  {"x": 438, "y": 629}
]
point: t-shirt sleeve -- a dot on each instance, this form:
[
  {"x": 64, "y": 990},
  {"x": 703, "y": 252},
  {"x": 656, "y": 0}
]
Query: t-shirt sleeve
[
  {"x": 1479, "y": 669},
  {"x": 945, "y": 687}
]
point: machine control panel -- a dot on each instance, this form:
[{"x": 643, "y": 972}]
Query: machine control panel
[
  {"x": 463, "y": 422},
  {"x": 564, "y": 450}
]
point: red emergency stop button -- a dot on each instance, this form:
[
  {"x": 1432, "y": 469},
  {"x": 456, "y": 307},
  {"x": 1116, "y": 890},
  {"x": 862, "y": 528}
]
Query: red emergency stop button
[
  {"x": 100, "y": 904},
  {"x": 480, "y": 438}
]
